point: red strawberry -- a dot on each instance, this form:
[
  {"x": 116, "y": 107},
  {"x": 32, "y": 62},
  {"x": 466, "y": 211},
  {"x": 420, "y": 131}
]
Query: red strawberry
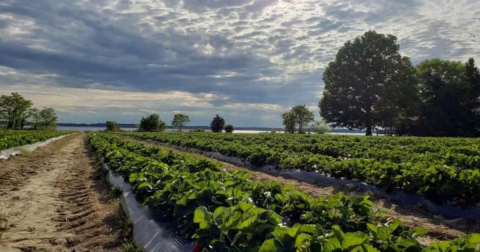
[{"x": 197, "y": 248}]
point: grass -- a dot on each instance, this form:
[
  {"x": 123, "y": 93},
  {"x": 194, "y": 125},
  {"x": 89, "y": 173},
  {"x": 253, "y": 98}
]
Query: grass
[{"x": 25, "y": 153}]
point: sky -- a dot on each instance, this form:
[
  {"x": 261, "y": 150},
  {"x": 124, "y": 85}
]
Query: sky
[{"x": 247, "y": 60}]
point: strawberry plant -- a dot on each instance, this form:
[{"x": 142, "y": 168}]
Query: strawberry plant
[
  {"x": 444, "y": 170},
  {"x": 227, "y": 211}
]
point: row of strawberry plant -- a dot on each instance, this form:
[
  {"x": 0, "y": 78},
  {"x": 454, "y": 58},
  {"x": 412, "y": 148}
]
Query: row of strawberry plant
[
  {"x": 229, "y": 212},
  {"x": 420, "y": 175},
  {"x": 10, "y": 139},
  {"x": 461, "y": 152}
]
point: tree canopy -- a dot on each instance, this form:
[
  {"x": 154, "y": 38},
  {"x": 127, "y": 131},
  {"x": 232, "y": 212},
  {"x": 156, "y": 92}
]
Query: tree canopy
[
  {"x": 180, "y": 120},
  {"x": 16, "y": 110},
  {"x": 289, "y": 122},
  {"x": 368, "y": 84},
  {"x": 450, "y": 94},
  {"x": 218, "y": 123},
  {"x": 298, "y": 117},
  {"x": 46, "y": 118},
  {"x": 152, "y": 123}
]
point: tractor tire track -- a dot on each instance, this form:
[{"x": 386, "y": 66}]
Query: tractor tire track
[{"x": 54, "y": 201}]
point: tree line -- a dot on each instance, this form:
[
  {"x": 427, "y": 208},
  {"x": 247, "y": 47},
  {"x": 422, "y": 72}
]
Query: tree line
[
  {"x": 153, "y": 123},
  {"x": 16, "y": 112},
  {"x": 371, "y": 85}
]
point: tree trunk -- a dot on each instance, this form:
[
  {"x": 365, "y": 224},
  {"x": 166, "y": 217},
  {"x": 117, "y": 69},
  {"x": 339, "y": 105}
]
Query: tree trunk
[
  {"x": 368, "y": 121},
  {"x": 369, "y": 130}
]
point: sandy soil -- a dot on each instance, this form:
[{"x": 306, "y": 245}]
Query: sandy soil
[
  {"x": 414, "y": 216},
  {"x": 53, "y": 201}
]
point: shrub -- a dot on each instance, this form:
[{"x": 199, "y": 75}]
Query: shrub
[
  {"x": 229, "y": 128},
  {"x": 112, "y": 126},
  {"x": 152, "y": 123}
]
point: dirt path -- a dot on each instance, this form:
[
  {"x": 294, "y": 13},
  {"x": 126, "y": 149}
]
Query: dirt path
[
  {"x": 54, "y": 202},
  {"x": 414, "y": 216}
]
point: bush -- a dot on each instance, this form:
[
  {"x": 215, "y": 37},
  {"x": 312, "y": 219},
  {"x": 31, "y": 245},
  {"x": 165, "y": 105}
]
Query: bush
[
  {"x": 229, "y": 128},
  {"x": 112, "y": 126},
  {"x": 152, "y": 123}
]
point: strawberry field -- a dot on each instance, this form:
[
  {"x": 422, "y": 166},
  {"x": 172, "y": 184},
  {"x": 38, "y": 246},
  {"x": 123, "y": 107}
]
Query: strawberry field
[
  {"x": 446, "y": 170},
  {"x": 228, "y": 211},
  {"x": 10, "y": 139}
]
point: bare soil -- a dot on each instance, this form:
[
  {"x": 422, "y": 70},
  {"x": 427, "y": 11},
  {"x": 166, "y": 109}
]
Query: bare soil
[
  {"x": 52, "y": 200},
  {"x": 413, "y": 216}
]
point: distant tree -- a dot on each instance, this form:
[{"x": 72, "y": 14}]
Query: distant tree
[
  {"x": 180, "y": 120},
  {"x": 450, "y": 95},
  {"x": 152, "y": 123},
  {"x": 48, "y": 118},
  {"x": 289, "y": 122},
  {"x": 319, "y": 127},
  {"x": 112, "y": 126},
  {"x": 302, "y": 116},
  {"x": 229, "y": 128},
  {"x": 217, "y": 124},
  {"x": 367, "y": 82},
  {"x": 297, "y": 118},
  {"x": 15, "y": 110}
]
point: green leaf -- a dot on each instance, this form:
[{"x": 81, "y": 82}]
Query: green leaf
[
  {"x": 201, "y": 216},
  {"x": 474, "y": 238},
  {"x": 373, "y": 229},
  {"x": 352, "y": 240},
  {"x": 419, "y": 231},
  {"x": 144, "y": 185},
  {"x": 301, "y": 240},
  {"x": 268, "y": 246},
  {"x": 338, "y": 233},
  {"x": 248, "y": 223}
]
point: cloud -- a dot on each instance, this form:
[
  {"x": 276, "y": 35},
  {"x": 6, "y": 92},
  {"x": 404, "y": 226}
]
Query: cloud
[{"x": 241, "y": 52}]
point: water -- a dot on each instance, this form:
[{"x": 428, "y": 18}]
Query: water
[
  {"x": 173, "y": 130},
  {"x": 132, "y": 129},
  {"x": 88, "y": 128}
]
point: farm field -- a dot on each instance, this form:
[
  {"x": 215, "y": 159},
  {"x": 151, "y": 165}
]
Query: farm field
[
  {"x": 10, "y": 139},
  {"x": 445, "y": 170},
  {"x": 230, "y": 211},
  {"x": 54, "y": 199}
]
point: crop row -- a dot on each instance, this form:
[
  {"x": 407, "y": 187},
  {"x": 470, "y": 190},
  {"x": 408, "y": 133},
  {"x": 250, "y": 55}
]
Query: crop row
[
  {"x": 227, "y": 211},
  {"x": 10, "y": 139},
  {"x": 446, "y": 175}
]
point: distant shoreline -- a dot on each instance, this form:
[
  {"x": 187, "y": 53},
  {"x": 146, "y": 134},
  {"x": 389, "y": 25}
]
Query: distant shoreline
[{"x": 131, "y": 127}]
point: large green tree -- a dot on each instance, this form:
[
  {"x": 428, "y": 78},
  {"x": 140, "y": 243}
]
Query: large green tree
[
  {"x": 472, "y": 78},
  {"x": 180, "y": 120},
  {"x": 450, "y": 94},
  {"x": 369, "y": 84},
  {"x": 15, "y": 110}
]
